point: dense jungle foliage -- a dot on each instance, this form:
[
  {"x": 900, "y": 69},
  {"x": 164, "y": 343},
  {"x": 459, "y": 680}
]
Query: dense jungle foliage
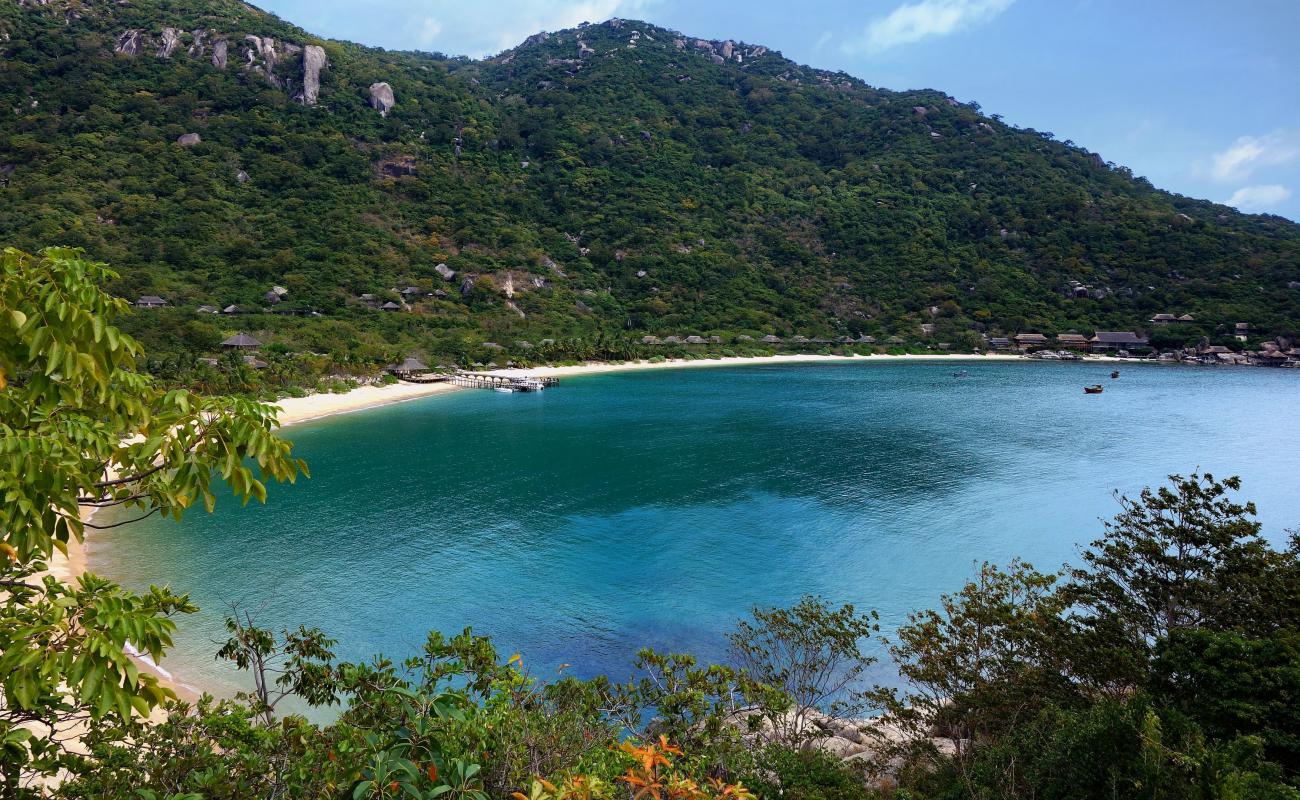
[
  {"x": 1165, "y": 664},
  {"x": 587, "y": 188}
]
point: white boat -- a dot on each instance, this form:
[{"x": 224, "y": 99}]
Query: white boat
[{"x": 505, "y": 389}]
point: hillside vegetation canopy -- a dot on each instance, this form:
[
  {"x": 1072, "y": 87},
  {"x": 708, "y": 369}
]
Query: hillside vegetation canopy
[{"x": 588, "y": 187}]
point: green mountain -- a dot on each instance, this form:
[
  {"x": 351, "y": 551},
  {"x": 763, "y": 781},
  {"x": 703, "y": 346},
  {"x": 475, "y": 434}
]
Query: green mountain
[{"x": 601, "y": 183}]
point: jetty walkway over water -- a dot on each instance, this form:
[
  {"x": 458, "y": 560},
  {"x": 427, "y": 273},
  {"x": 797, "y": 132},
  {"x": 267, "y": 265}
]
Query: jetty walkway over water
[
  {"x": 481, "y": 380},
  {"x": 520, "y": 383}
]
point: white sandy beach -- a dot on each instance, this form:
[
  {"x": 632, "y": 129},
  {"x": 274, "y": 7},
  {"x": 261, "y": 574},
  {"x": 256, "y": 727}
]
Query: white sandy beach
[{"x": 294, "y": 410}]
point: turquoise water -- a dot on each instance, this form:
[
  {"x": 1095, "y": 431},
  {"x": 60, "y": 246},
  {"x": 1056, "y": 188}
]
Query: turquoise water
[{"x": 653, "y": 508}]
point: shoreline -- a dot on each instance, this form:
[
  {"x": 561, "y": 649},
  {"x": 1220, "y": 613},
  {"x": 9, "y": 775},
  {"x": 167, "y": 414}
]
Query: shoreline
[{"x": 297, "y": 410}]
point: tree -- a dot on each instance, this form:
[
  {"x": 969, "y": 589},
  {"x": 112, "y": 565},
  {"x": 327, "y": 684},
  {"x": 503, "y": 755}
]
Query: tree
[
  {"x": 812, "y": 653},
  {"x": 299, "y": 663},
  {"x": 979, "y": 664},
  {"x": 1174, "y": 559},
  {"x": 80, "y": 427}
]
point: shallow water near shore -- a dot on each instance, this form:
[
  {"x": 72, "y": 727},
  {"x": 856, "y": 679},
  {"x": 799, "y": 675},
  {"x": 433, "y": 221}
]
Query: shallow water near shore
[{"x": 654, "y": 508}]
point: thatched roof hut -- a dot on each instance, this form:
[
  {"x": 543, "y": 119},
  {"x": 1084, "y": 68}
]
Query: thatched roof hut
[{"x": 409, "y": 366}]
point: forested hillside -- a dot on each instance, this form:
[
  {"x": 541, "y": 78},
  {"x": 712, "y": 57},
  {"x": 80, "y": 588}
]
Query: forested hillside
[{"x": 596, "y": 184}]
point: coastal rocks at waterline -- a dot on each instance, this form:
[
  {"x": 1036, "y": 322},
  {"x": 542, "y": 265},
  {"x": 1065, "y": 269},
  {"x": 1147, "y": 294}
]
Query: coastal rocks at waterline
[
  {"x": 381, "y": 98},
  {"x": 874, "y": 744},
  {"x": 313, "y": 61}
]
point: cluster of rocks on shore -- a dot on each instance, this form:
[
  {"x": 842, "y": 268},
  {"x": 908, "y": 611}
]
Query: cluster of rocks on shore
[{"x": 876, "y": 746}]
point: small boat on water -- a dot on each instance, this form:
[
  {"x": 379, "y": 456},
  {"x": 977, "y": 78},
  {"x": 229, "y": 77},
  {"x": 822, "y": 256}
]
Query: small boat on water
[
  {"x": 961, "y": 373},
  {"x": 1095, "y": 389},
  {"x": 505, "y": 389},
  {"x": 1114, "y": 374}
]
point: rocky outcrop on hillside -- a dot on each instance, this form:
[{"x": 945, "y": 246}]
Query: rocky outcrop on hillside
[
  {"x": 313, "y": 61},
  {"x": 381, "y": 98},
  {"x": 129, "y": 42},
  {"x": 262, "y": 57},
  {"x": 171, "y": 39}
]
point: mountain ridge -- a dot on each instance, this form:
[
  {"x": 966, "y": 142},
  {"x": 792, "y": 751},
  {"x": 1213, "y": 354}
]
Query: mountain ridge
[{"x": 610, "y": 180}]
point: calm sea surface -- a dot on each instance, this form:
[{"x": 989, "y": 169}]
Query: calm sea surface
[{"x": 654, "y": 508}]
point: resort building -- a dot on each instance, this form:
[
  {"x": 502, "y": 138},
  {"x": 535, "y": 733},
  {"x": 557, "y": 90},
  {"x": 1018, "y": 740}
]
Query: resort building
[
  {"x": 409, "y": 366},
  {"x": 241, "y": 341},
  {"x": 1027, "y": 340},
  {"x": 150, "y": 301},
  {"x": 1117, "y": 340},
  {"x": 999, "y": 343},
  {"x": 1072, "y": 341}
]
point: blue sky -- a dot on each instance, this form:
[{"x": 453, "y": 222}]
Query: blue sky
[{"x": 1201, "y": 97}]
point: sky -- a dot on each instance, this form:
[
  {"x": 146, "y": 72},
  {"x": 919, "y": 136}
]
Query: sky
[{"x": 1202, "y": 98}]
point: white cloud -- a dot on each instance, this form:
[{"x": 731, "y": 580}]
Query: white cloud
[
  {"x": 1250, "y": 153},
  {"x": 430, "y": 30},
  {"x": 912, "y": 22},
  {"x": 482, "y": 29},
  {"x": 1259, "y": 198}
]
